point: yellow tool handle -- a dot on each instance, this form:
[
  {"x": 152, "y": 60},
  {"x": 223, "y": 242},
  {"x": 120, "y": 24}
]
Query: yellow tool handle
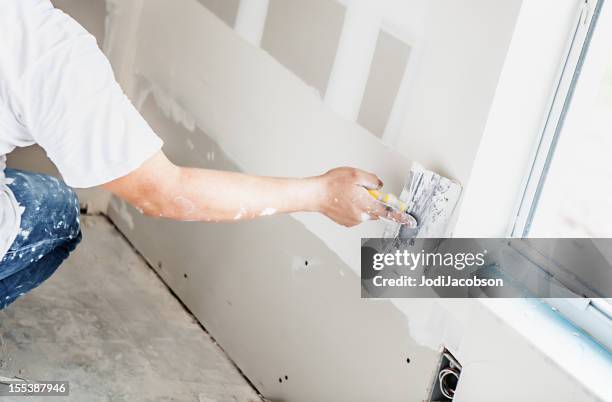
[{"x": 389, "y": 200}]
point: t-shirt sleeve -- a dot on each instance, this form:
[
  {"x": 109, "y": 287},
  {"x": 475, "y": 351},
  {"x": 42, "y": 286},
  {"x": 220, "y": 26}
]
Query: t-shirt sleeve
[{"x": 74, "y": 108}]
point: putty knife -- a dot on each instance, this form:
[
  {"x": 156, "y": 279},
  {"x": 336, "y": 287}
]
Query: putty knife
[{"x": 429, "y": 198}]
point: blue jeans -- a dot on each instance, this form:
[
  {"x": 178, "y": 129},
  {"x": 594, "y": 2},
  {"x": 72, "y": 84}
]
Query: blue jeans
[{"x": 49, "y": 231}]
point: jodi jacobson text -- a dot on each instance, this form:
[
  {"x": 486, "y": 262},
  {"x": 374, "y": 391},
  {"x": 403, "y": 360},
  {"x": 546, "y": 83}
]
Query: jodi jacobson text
[{"x": 439, "y": 281}]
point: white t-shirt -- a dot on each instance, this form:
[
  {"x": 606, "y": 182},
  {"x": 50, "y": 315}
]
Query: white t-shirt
[{"x": 57, "y": 89}]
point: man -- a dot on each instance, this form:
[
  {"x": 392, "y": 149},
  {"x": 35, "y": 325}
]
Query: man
[{"x": 58, "y": 90}]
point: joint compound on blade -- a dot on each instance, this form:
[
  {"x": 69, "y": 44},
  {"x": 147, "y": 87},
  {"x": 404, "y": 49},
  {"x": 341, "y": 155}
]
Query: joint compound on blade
[{"x": 431, "y": 199}]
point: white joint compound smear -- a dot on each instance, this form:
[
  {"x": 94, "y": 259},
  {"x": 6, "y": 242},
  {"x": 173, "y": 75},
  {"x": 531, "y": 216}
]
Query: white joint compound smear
[
  {"x": 241, "y": 213},
  {"x": 268, "y": 211},
  {"x": 168, "y": 105},
  {"x": 432, "y": 323}
]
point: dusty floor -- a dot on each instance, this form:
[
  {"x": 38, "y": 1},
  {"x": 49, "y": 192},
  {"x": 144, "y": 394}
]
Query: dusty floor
[{"x": 105, "y": 323}]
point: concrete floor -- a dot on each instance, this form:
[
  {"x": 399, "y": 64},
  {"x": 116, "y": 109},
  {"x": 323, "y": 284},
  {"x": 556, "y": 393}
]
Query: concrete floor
[{"x": 107, "y": 324}]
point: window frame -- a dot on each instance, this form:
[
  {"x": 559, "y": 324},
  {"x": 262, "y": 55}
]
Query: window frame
[
  {"x": 563, "y": 95},
  {"x": 594, "y": 316}
]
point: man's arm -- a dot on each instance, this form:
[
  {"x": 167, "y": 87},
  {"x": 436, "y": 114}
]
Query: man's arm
[
  {"x": 94, "y": 135},
  {"x": 160, "y": 188}
]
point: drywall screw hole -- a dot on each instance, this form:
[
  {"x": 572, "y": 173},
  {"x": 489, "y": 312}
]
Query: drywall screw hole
[
  {"x": 408, "y": 360},
  {"x": 185, "y": 275},
  {"x": 280, "y": 380},
  {"x": 286, "y": 378},
  {"x": 306, "y": 262}
]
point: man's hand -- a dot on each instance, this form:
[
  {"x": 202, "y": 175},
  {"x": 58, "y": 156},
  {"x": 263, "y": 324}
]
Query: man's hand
[
  {"x": 346, "y": 201},
  {"x": 160, "y": 188}
]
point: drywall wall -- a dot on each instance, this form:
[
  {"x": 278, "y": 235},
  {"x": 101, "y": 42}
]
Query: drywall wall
[
  {"x": 91, "y": 14},
  {"x": 281, "y": 294}
]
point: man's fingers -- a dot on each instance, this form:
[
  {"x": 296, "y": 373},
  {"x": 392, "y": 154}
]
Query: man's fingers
[{"x": 368, "y": 180}]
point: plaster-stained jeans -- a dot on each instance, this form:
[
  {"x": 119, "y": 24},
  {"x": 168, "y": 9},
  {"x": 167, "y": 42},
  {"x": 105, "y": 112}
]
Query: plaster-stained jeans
[{"x": 49, "y": 232}]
